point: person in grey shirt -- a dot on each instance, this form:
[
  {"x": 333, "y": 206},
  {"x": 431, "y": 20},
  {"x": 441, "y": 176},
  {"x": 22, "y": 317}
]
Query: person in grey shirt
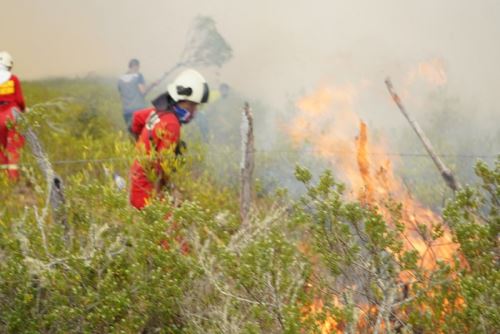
[{"x": 133, "y": 90}]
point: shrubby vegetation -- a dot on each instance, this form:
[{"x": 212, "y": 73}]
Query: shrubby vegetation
[{"x": 319, "y": 263}]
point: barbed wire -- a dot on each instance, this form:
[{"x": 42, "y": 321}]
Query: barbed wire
[
  {"x": 400, "y": 154},
  {"x": 77, "y": 161},
  {"x": 289, "y": 152},
  {"x": 80, "y": 161}
]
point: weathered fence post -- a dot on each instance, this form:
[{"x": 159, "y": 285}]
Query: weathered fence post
[
  {"x": 54, "y": 182},
  {"x": 247, "y": 163},
  {"x": 446, "y": 173}
]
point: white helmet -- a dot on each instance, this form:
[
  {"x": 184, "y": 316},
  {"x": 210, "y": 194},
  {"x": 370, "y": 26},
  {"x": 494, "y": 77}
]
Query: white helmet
[
  {"x": 6, "y": 60},
  {"x": 190, "y": 85}
]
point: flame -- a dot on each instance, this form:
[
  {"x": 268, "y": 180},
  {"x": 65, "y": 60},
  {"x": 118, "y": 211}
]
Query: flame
[
  {"x": 328, "y": 324},
  {"x": 432, "y": 71},
  {"x": 327, "y": 123},
  {"x": 364, "y": 166},
  {"x": 427, "y": 74},
  {"x": 419, "y": 221}
]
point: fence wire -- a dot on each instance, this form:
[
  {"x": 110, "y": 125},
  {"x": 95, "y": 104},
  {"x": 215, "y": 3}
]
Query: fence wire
[{"x": 285, "y": 153}]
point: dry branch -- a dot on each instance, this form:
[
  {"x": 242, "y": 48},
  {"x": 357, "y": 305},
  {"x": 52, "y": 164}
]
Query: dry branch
[
  {"x": 204, "y": 46},
  {"x": 448, "y": 177}
]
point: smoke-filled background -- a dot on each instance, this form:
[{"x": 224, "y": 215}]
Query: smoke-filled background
[
  {"x": 442, "y": 56},
  {"x": 279, "y": 46}
]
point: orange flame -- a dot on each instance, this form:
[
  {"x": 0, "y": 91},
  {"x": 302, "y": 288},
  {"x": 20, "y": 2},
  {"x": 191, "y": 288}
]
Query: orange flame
[
  {"x": 419, "y": 222},
  {"x": 432, "y": 71},
  {"x": 326, "y": 121}
]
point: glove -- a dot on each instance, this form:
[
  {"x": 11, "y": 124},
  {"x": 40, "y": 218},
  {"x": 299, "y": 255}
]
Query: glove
[{"x": 180, "y": 148}]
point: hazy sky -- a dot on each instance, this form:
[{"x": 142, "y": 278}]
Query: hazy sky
[{"x": 280, "y": 47}]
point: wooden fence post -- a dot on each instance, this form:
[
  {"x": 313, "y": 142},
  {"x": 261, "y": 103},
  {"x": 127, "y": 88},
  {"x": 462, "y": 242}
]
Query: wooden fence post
[
  {"x": 446, "y": 173},
  {"x": 54, "y": 182},
  {"x": 247, "y": 163}
]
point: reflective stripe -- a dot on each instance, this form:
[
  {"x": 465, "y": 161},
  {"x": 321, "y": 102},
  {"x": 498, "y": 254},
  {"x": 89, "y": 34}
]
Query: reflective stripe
[
  {"x": 9, "y": 166},
  {"x": 7, "y": 88},
  {"x": 152, "y": 120},
  {"x": 16, "y": 113}
]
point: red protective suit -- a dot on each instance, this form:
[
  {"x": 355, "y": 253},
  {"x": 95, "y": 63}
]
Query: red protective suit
[
  {"x": 11, "y": 141},
  {"x": 158, "y": 131}
]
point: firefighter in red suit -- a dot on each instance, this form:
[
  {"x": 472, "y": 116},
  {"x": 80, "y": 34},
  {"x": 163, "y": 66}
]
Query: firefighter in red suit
[
  {"x": 158, "y": 131},
  {"x": 11, "y": 103}
]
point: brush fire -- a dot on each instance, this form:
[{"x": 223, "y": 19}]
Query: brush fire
[
  {"x": 233, "y": 167},
  {"x": 327, "y": 123}
]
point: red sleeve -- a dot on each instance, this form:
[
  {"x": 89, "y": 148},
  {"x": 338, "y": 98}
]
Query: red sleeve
[
  {"x": 19, "y": 98},
  {"x": 139, "y": 121},
  {"x": 167, "y": 135}
]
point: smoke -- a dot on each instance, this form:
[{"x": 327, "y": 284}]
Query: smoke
[
  {"x": 282, "y": 50},
  {"x": 279, "y": 47}
]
